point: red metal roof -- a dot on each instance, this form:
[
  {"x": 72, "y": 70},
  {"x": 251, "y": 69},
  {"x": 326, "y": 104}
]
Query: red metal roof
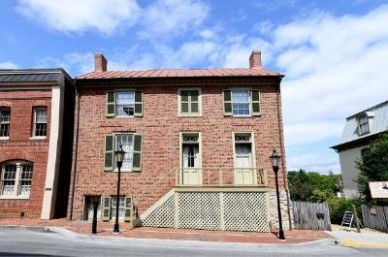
[{"x": 165, "y": 73}]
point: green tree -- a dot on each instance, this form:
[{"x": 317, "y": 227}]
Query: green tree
[{"x": 373, "y": 166}]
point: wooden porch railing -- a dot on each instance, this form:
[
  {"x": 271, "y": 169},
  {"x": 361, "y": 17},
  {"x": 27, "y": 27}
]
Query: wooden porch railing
[{"x": 221, "y": 177}]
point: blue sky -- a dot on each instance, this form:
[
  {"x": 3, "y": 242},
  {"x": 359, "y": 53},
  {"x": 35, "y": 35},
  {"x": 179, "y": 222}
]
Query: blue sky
[{"x": 334, "y": 53}]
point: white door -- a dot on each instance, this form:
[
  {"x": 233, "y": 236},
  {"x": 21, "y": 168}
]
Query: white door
[
  {"x": 191, "y": 171},
  {"x": 243, "y": 172}
]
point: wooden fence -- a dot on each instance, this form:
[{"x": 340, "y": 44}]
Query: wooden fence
[
  {"x": 311, "y": 216},
  {"x": 375, "y": 217}
]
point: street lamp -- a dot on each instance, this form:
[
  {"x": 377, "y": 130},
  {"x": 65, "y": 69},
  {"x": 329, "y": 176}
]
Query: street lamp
[
  {"x": 275, "y": 159},
  {"x": 119, "y": 158}
]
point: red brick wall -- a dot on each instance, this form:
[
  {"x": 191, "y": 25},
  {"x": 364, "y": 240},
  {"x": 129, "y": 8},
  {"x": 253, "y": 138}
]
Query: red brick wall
[
  {"x": 19, "y": 146},
  {"x": 160, "y": 127}
]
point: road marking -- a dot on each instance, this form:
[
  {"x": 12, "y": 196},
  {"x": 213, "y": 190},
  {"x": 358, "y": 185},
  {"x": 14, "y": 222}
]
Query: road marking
[{"x": 363, "y": 244}]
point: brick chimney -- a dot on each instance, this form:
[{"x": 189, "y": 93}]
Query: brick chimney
[
  {"x": 255, "y": 60},
  {"x": 100, "y": 63}
]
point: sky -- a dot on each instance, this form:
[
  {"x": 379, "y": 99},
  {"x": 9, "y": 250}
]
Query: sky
[{"x": 334, "y": 54}]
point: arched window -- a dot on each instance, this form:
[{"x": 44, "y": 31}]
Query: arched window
[{"x": 16, "y": 178}]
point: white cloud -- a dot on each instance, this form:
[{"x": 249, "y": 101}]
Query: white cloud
[
  {"x": 171, "y": 17},
  {"x": 74, "y": 63},
  {"x": 106, "y": 16},
  {"x": 8, "y": 65}
]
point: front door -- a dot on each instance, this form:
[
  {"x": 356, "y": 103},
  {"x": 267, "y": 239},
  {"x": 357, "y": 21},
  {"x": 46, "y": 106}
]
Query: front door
[
  {"x": 244, "y": 172},
  {"x": 191, "y": 171}
]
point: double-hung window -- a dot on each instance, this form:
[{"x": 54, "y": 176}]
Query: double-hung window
[
  {"x": 124, "y": 104},
  {"x": 109, "y": 208},
  {"x": 132, "y": 146},
  {"x": 16, "y": 178},
  {"x": 241, "y": 102},
  {"x": 189, "y": 102},
  {"x": 40, "y": 122},
  {"x": 5, "y": 116}
]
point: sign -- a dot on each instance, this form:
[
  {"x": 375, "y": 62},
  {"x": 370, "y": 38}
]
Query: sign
[{"x": 379, "y": 189}]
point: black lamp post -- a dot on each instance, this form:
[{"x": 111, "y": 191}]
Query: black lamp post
[
  {"x": 119, "y": 158},
  {"x": 275, "y": 159}
]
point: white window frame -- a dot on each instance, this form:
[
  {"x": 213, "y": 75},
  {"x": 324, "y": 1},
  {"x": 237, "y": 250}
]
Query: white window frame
[
  {"x": 181, "y": 143},
  {"x": 117, "y": 115},
  {"x": 253, "y": 150},
  {"x": 5, "y": 108},
  {"x": 35, "y": 110},
  {"x": 190, "y": 114},
  {"x": 130, "y": 153},
  {"x": 18, "y": 180},
  {"x": 249, "y": 91}
]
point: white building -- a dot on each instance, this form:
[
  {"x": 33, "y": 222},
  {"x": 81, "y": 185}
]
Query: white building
[{"x": 360, "y": 130}]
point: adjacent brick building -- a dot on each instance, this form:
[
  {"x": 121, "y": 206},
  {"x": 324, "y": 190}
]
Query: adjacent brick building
[
  {"x": 197, "y": 146},
  {"x": 36, "y": 132}
]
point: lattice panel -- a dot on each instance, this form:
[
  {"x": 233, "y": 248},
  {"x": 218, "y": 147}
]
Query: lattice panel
[
  {"x": 199, "y": 210},
  {"x": 246, "y": 212},
  {"x": 163, "y": 216}
]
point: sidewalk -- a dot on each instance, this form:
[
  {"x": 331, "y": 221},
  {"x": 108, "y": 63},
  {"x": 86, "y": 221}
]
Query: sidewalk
[
  {"x": 106, "y": 229},
  {"x": 367, "y": 237}
]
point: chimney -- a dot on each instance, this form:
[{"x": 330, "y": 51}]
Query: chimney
[
  {"x": 255, "y": 60},
  {"x": 100, "y": 63}
]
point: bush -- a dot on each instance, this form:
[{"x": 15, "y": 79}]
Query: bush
[{"x": 338, "y": 206}]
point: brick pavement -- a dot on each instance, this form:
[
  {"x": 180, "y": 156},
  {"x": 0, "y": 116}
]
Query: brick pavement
[{"x": 106, "y": 229}]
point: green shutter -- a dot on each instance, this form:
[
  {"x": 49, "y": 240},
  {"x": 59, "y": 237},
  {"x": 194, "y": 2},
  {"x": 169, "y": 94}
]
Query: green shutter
[
  {"x": 136, "y": 165},
  {"x": 110, "y": 104},
  {"x": 109, "y": 153},
  {"x": 138, "y": 103},
  {"x": 106, "y": 208},
  {"x": 255, "y": 99},
  {"x": 128, "y": 209},
  {"x": 227, "y": 102}
]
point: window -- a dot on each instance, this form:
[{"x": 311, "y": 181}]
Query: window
[
  {"x": 241, "y": 102},
  {"x": 40, "y": 122},
  {"x": 109, "y": 208},
  {"x": 124, "y": 104},
  {"x": 363, "y": 124},
  {"x": 131, "y": 144},
  {"x": 16, "y": 179},
  {"x": 5, "y": 115},
  {"x": 189, "y": 102},
  {"x": 190, "y": 150}
]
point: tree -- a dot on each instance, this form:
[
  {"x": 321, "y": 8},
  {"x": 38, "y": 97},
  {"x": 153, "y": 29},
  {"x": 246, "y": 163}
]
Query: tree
[
  {"x": 373, "y": 166},
  {"x": 312, "y": 186}
]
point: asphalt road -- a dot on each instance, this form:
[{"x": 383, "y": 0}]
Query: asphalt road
[{"x": 26, "y": 242}]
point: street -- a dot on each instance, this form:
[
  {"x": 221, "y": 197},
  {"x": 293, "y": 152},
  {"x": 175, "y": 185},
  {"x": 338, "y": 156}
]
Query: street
[{"x": 35, "y": 242}]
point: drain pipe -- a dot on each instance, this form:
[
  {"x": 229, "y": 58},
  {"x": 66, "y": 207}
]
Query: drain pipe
[
  {"x": 75, "y": 150},
  {"x": 284, "y": 154}
]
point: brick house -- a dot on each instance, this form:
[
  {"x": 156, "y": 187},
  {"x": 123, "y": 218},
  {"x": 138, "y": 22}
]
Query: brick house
[
  {"x": 197, "y": 146},
  {"x": 35, "y": 142}
]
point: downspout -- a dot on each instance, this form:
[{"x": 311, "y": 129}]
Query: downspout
[
  {"x": 283, "y": 154},
  {"x": 75, "y": 150}
]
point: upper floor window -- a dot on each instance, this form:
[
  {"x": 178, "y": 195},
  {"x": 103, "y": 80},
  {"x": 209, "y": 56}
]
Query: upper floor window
[
  {"x": 124, "y": 104},
  {"x": 16, "y": 179},
  {"x": 40, "y": 122},
  {"x": 5, "y": 116},
  {"x": 363, "y": 124},
  {"x": 189, "y": 102},
  {"x": 241, "y": 102},
  {"x": 131, "y": 144}
]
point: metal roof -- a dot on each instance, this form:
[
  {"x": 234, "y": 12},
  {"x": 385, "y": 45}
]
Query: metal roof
[
  {"x": 378, "y": 122},
  {"x": 174, "y": 73},
  {"x": 20, "y": 76}
]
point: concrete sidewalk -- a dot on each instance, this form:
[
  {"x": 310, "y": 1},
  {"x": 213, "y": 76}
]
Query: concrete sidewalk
[
  {"x": 367, "y": 237},
  {"x": 106, "y": 229}
]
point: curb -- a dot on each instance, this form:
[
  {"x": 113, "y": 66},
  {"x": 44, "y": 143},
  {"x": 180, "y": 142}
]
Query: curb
[{"x": 351, "y": 243}]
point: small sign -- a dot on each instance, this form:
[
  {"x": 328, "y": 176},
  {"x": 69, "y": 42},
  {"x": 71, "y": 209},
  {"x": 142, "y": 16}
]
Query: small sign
[{"x": 379, "y": 189}]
